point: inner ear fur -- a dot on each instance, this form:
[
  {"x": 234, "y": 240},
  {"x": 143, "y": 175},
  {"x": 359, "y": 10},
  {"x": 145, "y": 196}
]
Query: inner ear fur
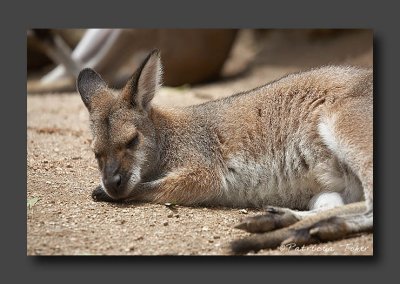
[{"x": 144, "y": 83}]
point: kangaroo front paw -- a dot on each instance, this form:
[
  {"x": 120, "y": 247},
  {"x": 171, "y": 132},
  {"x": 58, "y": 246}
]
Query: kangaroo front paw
[
  {"x": 275, "y": 218},
  {"x": 100, "y": 195}
]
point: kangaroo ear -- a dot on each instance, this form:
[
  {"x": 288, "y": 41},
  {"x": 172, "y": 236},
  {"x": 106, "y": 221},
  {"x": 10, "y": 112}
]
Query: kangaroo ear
[
  {"x": 143, "y": 85},
  {"x": 88, "y": 84}
]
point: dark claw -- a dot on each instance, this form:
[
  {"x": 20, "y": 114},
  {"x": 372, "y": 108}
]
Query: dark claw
[
  {"x": 244, "y": 246},
  {"x": 99, "y": 195}
]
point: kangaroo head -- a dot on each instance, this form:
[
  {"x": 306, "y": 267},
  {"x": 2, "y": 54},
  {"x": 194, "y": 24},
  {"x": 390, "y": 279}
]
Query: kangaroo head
[{"x": 124, "y": 140}]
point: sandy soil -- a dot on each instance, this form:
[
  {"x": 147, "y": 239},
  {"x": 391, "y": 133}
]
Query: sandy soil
[{"x": 62, "y": 171}]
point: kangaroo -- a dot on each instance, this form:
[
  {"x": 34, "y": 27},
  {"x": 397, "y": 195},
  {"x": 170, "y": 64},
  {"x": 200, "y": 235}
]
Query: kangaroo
[
  {"x": 112, "y": 51},
  {"x": 300, "y": 146}
]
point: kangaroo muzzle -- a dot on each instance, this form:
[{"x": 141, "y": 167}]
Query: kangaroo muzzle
[{"x": 113, "y": 180}]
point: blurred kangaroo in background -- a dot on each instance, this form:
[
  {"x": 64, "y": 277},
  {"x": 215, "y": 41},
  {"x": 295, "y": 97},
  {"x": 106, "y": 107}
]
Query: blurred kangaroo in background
[
  {"x": 190, "y": 56},
  {"x": 303, "y": 142}
]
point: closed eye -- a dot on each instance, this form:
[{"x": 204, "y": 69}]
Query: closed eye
[{"x": 133, "y": 142}]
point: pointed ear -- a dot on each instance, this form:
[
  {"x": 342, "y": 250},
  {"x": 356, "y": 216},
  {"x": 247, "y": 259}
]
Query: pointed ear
[
  {"x": 143, "y": 85},
  {"x": 88, "y": 84}
]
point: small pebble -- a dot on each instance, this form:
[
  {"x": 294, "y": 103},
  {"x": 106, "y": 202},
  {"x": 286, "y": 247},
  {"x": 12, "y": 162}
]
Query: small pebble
[
  {"x": 243, "y": 211},
  {"x": 165, "y": 224}
]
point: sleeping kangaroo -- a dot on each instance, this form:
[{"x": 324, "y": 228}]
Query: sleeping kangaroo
[{"x": 302, "y": 144}]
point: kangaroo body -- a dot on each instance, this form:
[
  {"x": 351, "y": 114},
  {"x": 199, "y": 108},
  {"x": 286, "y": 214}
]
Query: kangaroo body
[{"x": 301, "y": 142}]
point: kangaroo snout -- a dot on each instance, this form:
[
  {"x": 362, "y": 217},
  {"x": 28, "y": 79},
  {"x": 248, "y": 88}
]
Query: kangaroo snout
[{"x": 113, "y": 181}]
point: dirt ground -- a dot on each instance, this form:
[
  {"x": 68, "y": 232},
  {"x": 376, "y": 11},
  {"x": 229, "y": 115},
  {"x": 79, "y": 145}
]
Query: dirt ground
[{"x": 62, "y": 172}]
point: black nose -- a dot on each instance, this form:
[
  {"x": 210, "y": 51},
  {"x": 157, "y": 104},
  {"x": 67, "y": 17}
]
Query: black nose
[{"x": 113, "y": 182}]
